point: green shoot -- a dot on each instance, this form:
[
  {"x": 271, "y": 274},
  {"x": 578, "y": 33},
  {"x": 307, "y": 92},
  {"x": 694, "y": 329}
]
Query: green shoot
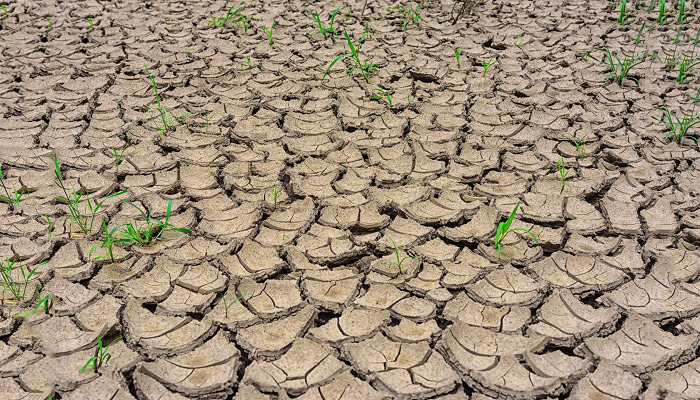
[
  {"x": 107, "y": 244},
  {"x": 399, "y": 261},
  {"x": 144, "y": 235},
  {"x": 681, "y": 11},
  {"x": 89, "y": 21},
  {"x": 328, "y": 31},
  {"x": 168, "y": 122},
  {"x": 13, "y": 282},
  {"x": 504, "y": 228},
  {"x": 487, "y": 64},
  {"x": 563, "y": 173},
  {"x": 50, "y": 227},
  {"x": 249, "y": 64},
  {"x": 383, "y": 94},
  {"x": 269, "y": 31},
  {"x": 232, "y": 14},
  {"x": 623, "y": 16},
  {"x": 410, "y": 15},
  {"x": 688, "y": 62},
  {"x": 365, "y": 67},
  {"x": 101, "y": 356},
  {"x": 458, "y": 55},
  {"x": 83, "y": 219},
  {"x": 662, "y": 12},
  {"x": 4, "y": 11},
  {"x": 679, "y": 127},
  {"x": 366, "y": 34},
  {"x": 118, "y": 156},
  {"x": 518, "y": 40},
  {"x": 48, "y": 20},
  {"x": 227, "y": 306},
  {"x": 579, "y": 145},
  {"x": 13, "y": 197},
  {"x": 207, "y": 119},
  {"x": 274, "y": 196},
  {"x": 44, "y": 302}
]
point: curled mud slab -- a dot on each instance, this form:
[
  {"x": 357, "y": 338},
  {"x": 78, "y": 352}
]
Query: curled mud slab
[{"x": 301, "y": 192}]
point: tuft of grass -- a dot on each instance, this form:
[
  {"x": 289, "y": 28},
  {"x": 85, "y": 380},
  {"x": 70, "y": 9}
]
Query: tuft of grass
[
  {"x": 83, "y": 219},
  {"x": 118, "y": 156},
  {"x": 89, "y": 21},
  {"x": 487, "y": 64},
  {"x": 681, "y": 11},
  {"x": 623, "y": 12},
  {"x": 411, "y": 15},
  {"x": 268, "y": 32},
  {"x": 325, "y": 31},
  {"x": 678, "y": 126},
  {"x": 107, "y": 244},
  {"x": 249, "y": 63},
  {"x": 399, "y": 261},
  {"x": 563, "y": 173},
  {"x": 274, "y": 196},
  {"x": 101, "y": 356},
  {"x": 580, "y": 149},
  {"x": 4, "y": 11},
  {"x": 13, "y": 282},
  {"x": 50, "y": 227},
  {"x": 688, "y": 62},
  {"x": 48, "y": 20},
  {"x": 504, "y": 229},
  {"x": 135, "y": 234},
  {"x": 12, "y": 197},
  {"x": 620, "y": 69},
  {"x": 231, "y": 15},
  {"x": 518, "y": 40},
  {"x": 168, "y": 122},
  {"x": 366, "y": 67},
  {"x": 458, "y": 55},
  {"x": 44, "y": 302},
  {"x": 382, "y": 93},
  {"x": 227, "y": 306}
]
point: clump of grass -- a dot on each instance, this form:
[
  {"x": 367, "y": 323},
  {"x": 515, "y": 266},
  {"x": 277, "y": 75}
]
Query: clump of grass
[
  {"x": 89, "y": 21},
  {"x": 168, "y": 122},
  {"x": 44, "y": 302},
  {"x": 249, "y": 63},
  {"x": 326, "y": 31},
  {"x": 4, "y": 11},
  {"x": 580, "y": 148},
  {"x": 411, "y": 15},
  {"x": 504, "y": 229},
  {"x": 563, "y": 173},
  {"x": 227, "y": 306},
  {"x": 231, "y": 15},
  {"x": 50, "y": 227},
  {"x": 486, "y": 64},
  {"x": 101, "y": 356},
  {"x": 623, "y": 12},
  {"x": 620, "y": 69},
  {"x": 135, "y": 234},
  {"x": 107, "y": 244},
  {"x": 678, "y": 126},
  {"x": 382, "y": 93},
  {"x": 48, "y": 20},
  {"x": 681, "y": 11},
  {"x": 84, "y": 219},
  {"x": 12, "y": 197},
  {"x": 366, "y": 67},
  {"x": 458, "y": 55},
  {"x": 688, "y": 62},
  {"x": 13, "y": 282},
  {"x": 662, "y": 12},
  {"x": 268, "y": 32},
  {"x": 118, "y": 156},
  {"x": 518, "y": 40},
  {"x": 399, "y": 261}
]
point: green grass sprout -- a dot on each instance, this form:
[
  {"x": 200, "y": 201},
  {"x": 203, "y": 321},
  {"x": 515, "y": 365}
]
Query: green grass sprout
[
  {"x": 107, "y": 244},
  {"x": 623, "y": 12},
  {"x": 268, "y": 31},
  {"x": 48, "y": 20},
  {"x": 504, "y": 228},
  {"x": 50, "y": 227},
  {"x": 563, "y": 173},
  {"x": 458, "y": 55},
  {"x": 487, "y": 64},
  {"x": 382, "y": 93},
  {"x": 580, "y": 149},
  {"x": 679, "y": 127},
  {"x": 89, "y": 21},
  {"x": 118, "y": 156},
  {"x": 399, "y": 261},
  {"x": 235, "y": 15},
  {"x": 681, "y": 11},
  {"x": 366, "y": 67},
  {"x": 518, "y": 40},
  {"x": 101, "y": 356},
  {"x": 662, "y": 12},
  {"x": 168, "y": 122},
  {"x": 274, "y": 196},
  {"x": 325, "y": 31},
  {"x": 13, "y": 282},
  {"x": 13, "y": 197},
  {"x": 44, "y": 302},
  {"x": 411, "y": 15},
  {"x": 249, "y": 63},
  {"x": 143, "y": 235},
  {"x": 4, "y": 11},
  {"x": 227, "y": 306}
]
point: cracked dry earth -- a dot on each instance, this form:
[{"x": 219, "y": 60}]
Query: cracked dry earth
[{"x": 606, "y": 307}]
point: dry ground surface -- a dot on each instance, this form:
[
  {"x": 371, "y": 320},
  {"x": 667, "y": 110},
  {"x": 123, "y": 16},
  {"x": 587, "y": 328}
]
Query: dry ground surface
[{"x": 605, "y": 306}]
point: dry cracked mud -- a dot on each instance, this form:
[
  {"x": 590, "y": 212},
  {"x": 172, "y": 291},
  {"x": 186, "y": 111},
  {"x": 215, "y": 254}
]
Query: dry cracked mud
[{"x": 301, "y": 192}]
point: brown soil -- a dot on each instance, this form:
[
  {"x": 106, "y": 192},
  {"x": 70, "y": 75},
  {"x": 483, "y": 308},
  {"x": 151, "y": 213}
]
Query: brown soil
[{"x": 605, "y": 306}]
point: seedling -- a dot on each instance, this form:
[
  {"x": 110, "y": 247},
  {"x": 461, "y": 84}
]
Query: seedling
[
  {"x": 232, "y": 14},
  {"x": 585, "y": 55},
  {"x": 688, "y": 62},
  {"x": 285, "y": 236},
  {"x": 143, "y": 235},
  {"x": 50, "y": 227},
  {"x": 383, "y": 94},
  {"x": 410, "y": 14},
  {"x": 118, "y": 156},
  {"x": 623, "y": 16},
  {"x": 681, "y": 11},
  {"x": 518, "y": 40},
  {"x": 563, "y": 173},
  {"x": 662, "y": 12},
  {"x": 580, "y": 149},
  {"x": 44, "y": 302},
  {"x": 365, "y": 67},
  {"x": 248, "y": 63},
  {"x": 4, "y": 11},
  {"x": 101, "y": 356},
  {"x": 83, "y": 219},
  {"x": 619, "y": 69},
  {"x": 168, "y": 122},
  {"x": 274, "y": 196},
  {"x": 504, "y": 229},
  {"x": 107, "y": 244},
  {"x": 269, "y": 31},
  {"x": 13, "y": 282},
  {"x": 48, "y": 20},
  {"x": 399, "y": 261},
  {"x": 367, "y": 33},
  {"x": 458, "y": 55},
  {"x": 207, "y": 119},
  {"x": 13, "y": 197},
  {"x": 487, "y": 64},
  {"x": 679, "y": 127},
  {"x": 89, "y": 21},
  {"x": 227, "y": 306},
  {"x": 326, "y": 31}
]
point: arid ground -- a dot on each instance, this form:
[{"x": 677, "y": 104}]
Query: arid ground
[{"x": 333, "y": 237}]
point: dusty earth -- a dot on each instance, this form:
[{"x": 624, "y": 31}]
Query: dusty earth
[{"x": 604, "y": 307}]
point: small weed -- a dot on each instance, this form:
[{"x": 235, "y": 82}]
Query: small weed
[
  {"x": 365, "y": 67},
  {"x": 399, "y": 261},
  {"x": 458, "y": 55},
  {"x": 208, "y": 119},
  {"x": 487, "y": 64},
  {"x": 681, "y": 11},
  {"x": 518, "y": 40},
  {"x": 83, "y": 219},
  {"x": 44, "y": 302},
  {"x": 563, "y": 173},
  {"x": 13, "y": 197},
  {"x": 662, "y": 12},
  {"x": 48, "y": 20},
  {"x": 232, "y": 15},
  {"x": 411, "y": 15},
  {"x": 249, "y": 63},
  {"x": 366, "y": 34},
  {"x": 325, "y": 31},
  {"x": 143, "y": 235},
  {"x": 101, "y": 356},
  {"x": 579, "y": 145},
  {"x": 383, "y": 94},
  {"x": 89, "y": 21},
  {"x": 274, "y": 196},
  {"x": 107, "y": 244},
  {"x": 4, "y": 11},
  {"x": 688, "y": 62},
  {"x": 168, "y": 122},
  {"x": 227, "y": 306},
  {"x": 268, "y": 32},
  {"x": 619, "y": 69},
  {"x": 50, "y": 227},
  {"x": 679, "y": 127},
  {"x": 504, "y": 228},
  {"x": 13, "y": 282},
  {"x": 118, "y": 156},
  {"x": 623, "y": 12}
]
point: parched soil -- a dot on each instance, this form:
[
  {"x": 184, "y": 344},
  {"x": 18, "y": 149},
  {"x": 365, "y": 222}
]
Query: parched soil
[{"x": 304, "y": 195}]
